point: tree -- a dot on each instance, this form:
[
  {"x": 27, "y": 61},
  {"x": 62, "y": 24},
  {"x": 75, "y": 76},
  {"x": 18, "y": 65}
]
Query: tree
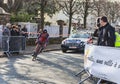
[
  {"x": 98, "y": 7},
  {"x": 112, "y": 11},
  {"x": 44, "y": 6},
  {"x": 20, "y": 17},
  {"x": 86, "y": 6},
  {"x": 107, "y": 8},
  {"x": 85, "y": 10},
  {"x": 12, "y": 6},
  {"x": 115, "y": 11},
  {"x": 4, "y": 6},
  {"x": 69, "y": 7}
]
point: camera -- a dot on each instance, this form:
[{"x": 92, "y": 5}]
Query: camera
[{"x": 98, "y": 22}]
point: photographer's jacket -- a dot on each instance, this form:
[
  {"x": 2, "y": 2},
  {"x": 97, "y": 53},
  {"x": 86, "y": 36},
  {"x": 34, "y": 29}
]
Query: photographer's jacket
[{"x": 106, "y": 35}]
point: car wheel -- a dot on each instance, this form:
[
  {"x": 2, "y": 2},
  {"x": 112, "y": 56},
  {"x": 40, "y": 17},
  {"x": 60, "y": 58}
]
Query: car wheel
[{"x": 64, "y": 50}]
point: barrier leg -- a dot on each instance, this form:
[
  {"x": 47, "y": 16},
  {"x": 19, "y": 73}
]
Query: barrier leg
[
  {"x": 99, "y": 81},
  {"x": 94, "y": 79},
  {"x": 8, "y": 54},
  {"x": 80, "y": 72},
  {"x": 85, "y": 79},
  {"x": 8, "y": 51}
]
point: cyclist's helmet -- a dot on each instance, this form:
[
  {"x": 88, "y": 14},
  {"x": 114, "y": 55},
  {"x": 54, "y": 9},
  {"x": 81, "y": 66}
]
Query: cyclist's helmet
[{"x": 44, "y": 31}]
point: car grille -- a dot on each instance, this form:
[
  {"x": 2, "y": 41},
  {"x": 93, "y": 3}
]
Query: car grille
[{"x": 72, "y": 44}]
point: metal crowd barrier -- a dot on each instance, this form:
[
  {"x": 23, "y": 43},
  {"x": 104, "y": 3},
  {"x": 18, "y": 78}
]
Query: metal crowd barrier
[
  {"x": 12, "y": 44},
  {"x": 89, "y": 76}
]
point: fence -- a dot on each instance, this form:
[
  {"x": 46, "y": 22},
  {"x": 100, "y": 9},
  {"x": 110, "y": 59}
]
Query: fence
[
  {"x": 12, "y": 44},
  {"x": 52, "y": 30}
]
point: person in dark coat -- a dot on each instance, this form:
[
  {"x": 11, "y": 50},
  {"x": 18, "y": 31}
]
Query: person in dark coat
[
  {"x": 15, "y": 40},
  {"x": 106, "y": 36},
  {"x": 97, "y": 28},
  {"x": 105, "y": 33},
  {"x": 24, "y": 33}
]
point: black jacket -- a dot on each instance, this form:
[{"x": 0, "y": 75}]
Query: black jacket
[
  {"x": 15, "y": 33},
  {"x": 106, "y": 35},
  {"x": 25, "y": 32}
]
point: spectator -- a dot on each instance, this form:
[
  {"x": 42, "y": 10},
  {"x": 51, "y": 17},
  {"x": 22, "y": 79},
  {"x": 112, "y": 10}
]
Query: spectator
[
  {"x": 14, "y": 41},
  {"x": 15, "y": 31},
  {"x": 6, "y": 30},
  {"x": 97, "y": 29},
  {"x": 19, "y": 27},
  {"x": 6, "y": 38},
  {"x": 106, "y": 35},
  {"x": 39, "y": 32},
  {"x": 24, "y": 33}
]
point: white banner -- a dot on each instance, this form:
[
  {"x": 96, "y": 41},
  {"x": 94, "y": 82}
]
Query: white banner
[{"x": 103, "y": 62}]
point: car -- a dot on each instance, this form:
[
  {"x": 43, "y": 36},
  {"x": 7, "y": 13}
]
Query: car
[{"x": 76, "y": 41}]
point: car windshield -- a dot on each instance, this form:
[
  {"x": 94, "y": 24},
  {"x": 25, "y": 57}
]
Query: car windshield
[{"x": 84, "y": 35}]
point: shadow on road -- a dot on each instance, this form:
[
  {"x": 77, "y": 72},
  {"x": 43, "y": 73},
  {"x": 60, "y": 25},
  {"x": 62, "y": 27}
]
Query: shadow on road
[
  {"x": 10, "y": 74},
  {"x": 75, "y": 52}
]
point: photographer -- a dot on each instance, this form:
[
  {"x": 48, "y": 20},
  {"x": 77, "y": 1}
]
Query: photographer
[{"x": 106, "y": 35}]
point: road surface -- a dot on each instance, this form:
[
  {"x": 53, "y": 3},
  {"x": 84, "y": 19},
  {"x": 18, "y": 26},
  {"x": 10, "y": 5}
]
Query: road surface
[{"x": 52, "y": 67}]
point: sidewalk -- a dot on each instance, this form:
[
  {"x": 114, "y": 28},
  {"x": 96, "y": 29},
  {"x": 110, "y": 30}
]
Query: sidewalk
[
  {"x": 30, "y": 49},
  {"x": 50, "y": 47}
]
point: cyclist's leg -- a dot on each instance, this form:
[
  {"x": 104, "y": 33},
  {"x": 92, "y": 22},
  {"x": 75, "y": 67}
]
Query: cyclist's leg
[
  {"x": 42, "y": 47},
  {"x": 36, "y": 51}
]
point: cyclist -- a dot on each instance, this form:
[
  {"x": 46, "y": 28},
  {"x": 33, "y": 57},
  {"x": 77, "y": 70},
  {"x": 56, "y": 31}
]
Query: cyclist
[{"x": 41, "y": 43}]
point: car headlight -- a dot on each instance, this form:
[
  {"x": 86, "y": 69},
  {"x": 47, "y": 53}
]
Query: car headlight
[
  {"x": 63, "y": 42},
  {"x": 78, "y": 41},
  {"x": 82, "y": 43}
]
